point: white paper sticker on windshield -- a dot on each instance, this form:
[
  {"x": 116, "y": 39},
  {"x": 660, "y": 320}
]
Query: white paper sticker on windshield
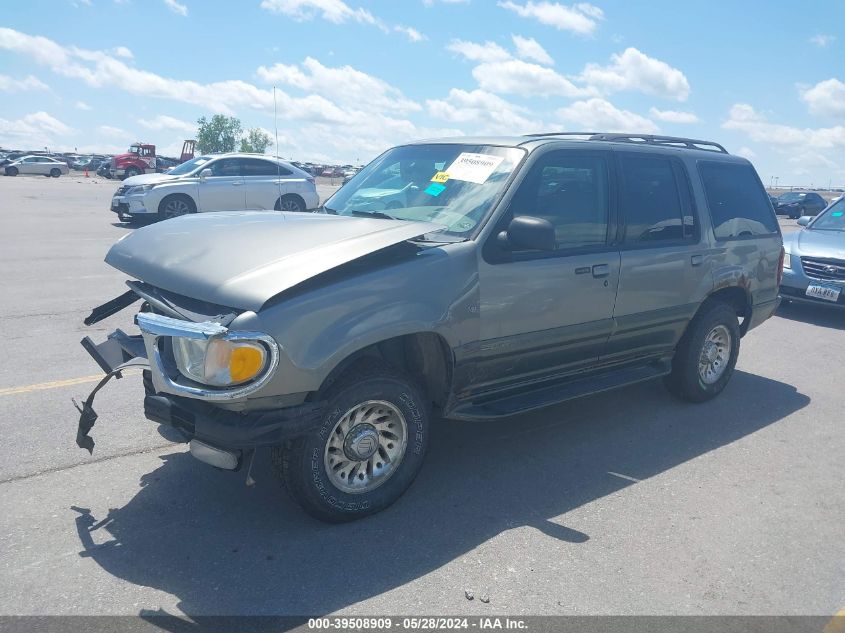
[{"x": 473, "y": 167}]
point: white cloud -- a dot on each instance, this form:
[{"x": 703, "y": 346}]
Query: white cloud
[
  {"x": 177, "y": 7},
  {"x": 746, "y": 152},
  {"x": 599, "y": 115},
  {"x": 486, "y": 113},
  {"x": 122, "y": 51},
  {"x": 826, "y": 98},
  {"x": 746, "y": 119},
  {"x": 529, "y": 48},
  {"x": 581, "y": 18},
  {"x": 429, "y": 3},
  {"x": 411, "y": 33},
  {"x": 164, "y": 122},
  {"x": 32, "y": 131},
  {"x": 81, "y": 105},
  {"x": 822, "y": 40},
  {"x": 518, "y": 77},
  {"x": 109, "y": 130},
  {"x": 486, "y": 52},
  {"x": 335, "y": 11},
  {"x": 10, "y": 84},
  {"x": 673, "y": 116},
  {"x": 344, "y": 84},
  {"x": 635, "y": 71}
]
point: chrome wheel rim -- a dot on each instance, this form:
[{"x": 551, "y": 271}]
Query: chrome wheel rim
[
  {"x": 365, "y": 447},
  {"x": 289, "y": 205},
  {"x": 175, "y": 208},
  {"x": 715, "y": 355}
]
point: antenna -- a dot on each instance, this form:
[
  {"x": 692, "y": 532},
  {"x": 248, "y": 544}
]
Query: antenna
[{"x": 278, "y": 166}]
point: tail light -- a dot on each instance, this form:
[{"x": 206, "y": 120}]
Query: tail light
[{"x": 780, "y": 265}]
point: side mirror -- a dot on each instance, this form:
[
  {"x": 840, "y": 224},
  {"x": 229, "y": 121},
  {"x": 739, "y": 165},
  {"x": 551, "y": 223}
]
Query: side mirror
[
  {"x": 804, "y": 220},
  {"x": 527, "y": 233},
  {"x": 205, "y": 173}
]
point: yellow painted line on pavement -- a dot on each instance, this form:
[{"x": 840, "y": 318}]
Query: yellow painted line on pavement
[
  {"x": 55, "y": 384},
  {"x": 837, "y": 623}
]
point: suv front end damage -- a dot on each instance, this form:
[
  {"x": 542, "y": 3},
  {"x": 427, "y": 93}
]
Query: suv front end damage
[{"x": 194, "y": 374}]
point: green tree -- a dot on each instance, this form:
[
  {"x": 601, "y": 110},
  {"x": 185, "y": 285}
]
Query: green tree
[
  {"x": 257, "y": 140},
  {"x": 218, "y": 134}
]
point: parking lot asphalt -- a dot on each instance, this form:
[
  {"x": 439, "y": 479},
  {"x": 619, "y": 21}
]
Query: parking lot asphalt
[{"x": 627, "y": 502}]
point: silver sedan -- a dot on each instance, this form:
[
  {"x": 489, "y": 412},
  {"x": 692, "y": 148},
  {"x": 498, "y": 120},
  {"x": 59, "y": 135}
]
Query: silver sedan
[{"x": 38, "y": 165}]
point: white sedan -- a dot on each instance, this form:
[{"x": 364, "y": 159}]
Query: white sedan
[
  {"x": 38, "y": 165},
  {"x": 221, "y": 182}
]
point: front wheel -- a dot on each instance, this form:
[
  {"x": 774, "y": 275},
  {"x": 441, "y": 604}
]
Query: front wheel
[
  {"x": 367, "y": 451},
  {"x": 795, "y": 216},
  {"x": 131, "y": 171},
  {"x": 176, "y": 205},
  {"x": 706, "y": 356},
  {"x": 12, "y": 171},
  {"x": 55, "y": 172}
]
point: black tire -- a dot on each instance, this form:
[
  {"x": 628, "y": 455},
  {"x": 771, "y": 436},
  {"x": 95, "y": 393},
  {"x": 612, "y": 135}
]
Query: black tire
[
  {"x": 301, "y": 464},
  {"x": 290, "y": 202},
  {"x": 12, "y": 171},
  {"x": 175, "y": 205},
  {"x": 685, "y": 380},
  {"x": 131, "y": 171},
  {"x": 795, "y": 217},
  {"x": 55, "y": 172}
]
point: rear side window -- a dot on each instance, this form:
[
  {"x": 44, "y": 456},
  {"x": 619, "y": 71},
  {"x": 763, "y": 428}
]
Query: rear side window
[
  {"x": 258, "y": 167},
  {"x": 652, "y": 201},
  {"x": 738, "y": 205}
]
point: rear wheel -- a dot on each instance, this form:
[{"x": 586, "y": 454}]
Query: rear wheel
[
  {"x": 794, "y": 216},
  {"x": 176, "y": 205},
  {"x": 55, "y": 172},
  {"x": 367, "y": 451},
  {"x": 706, "y": 356},
  {"x": 290, "y": 202}
]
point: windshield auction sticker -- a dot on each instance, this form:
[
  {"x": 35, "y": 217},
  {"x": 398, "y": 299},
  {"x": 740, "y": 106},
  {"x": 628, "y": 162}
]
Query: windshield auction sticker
[{"x": 473, "y": 167}]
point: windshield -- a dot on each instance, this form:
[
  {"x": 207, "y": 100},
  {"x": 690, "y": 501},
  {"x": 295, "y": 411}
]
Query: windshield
[
  {"x": 831, "y": 220},
  {"x": 134, "y": 149},
  {"x": 188, "y": 166},
  {"x": 791, "y": 196},
  {"x": 452, "y": 185}
]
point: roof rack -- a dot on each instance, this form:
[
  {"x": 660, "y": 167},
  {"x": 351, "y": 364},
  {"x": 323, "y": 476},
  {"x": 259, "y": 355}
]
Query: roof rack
[{"x": 644, "y": 139}]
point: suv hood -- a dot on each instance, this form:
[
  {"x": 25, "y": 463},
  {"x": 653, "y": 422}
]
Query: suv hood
[
  {"x": 830, "y": 244},
  {"x": 146, "y": 179},
  {"x": 243, "y": 259}
]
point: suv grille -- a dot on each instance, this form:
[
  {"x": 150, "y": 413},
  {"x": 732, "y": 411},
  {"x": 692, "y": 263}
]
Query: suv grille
[{"x": 831, "y": 269}]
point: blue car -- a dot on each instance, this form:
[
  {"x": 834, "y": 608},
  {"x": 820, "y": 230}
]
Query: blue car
[{"x": 814, "y": 264}]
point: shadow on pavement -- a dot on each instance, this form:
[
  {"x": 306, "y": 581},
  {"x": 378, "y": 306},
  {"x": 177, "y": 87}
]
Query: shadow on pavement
[
  {"x": 224, "y": 549},
  {"x": 821, "y": 315}
]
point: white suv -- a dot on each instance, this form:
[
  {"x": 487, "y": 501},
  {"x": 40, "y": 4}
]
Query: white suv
[{"x": 223, "y": 182}]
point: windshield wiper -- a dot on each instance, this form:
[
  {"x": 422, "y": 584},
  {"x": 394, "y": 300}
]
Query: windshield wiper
[{"x": 373, "y": 214}]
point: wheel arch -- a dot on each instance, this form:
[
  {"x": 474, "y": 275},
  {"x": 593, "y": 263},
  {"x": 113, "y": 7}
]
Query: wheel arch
[
  {"x": 424, "y": 356},
  {"x": 738, "y": 298},
  {"x": 177, "y": 194}
]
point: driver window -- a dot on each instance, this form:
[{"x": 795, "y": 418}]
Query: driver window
[
  {"x": 226, "y": 167},
  {"x": 571, "y": 192}
]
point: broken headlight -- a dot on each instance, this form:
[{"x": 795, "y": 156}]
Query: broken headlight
[{"x": 219, "y": 362}]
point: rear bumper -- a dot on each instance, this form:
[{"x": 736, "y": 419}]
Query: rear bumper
[{"x": 761, "y": 312}]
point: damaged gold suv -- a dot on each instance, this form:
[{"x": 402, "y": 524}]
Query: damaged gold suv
[{"x": 463, "y": 278}]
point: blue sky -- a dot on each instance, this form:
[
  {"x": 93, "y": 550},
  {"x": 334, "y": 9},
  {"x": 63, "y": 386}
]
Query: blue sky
[{"x": 766, "y": 79}]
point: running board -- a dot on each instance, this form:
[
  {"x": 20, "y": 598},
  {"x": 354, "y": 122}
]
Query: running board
[{"x": 539, "y": 398}]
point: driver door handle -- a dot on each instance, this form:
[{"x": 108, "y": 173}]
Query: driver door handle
[
  {"x": 601, "y": 270},
  {"x": 237, "y": 183}
]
